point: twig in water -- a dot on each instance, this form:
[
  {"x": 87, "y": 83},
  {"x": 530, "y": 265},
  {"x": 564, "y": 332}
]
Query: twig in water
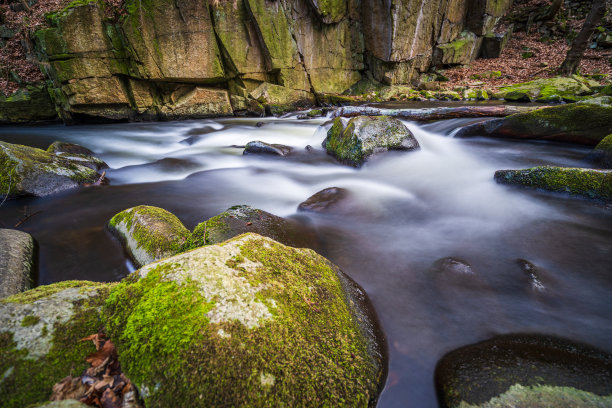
[{"x": 23, "y": 220}]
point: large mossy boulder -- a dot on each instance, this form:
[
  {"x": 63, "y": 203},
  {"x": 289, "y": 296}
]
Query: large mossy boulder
[
  {"x": 525, "y": 370},
  {"x": 40, "y": 338},
  {"x": 16, "y": 261},
  {"x": 459, "y": 52},
  {"x": 27, "y": 171},
  {"x": 249, "y": 322},
  {"x": 241, "y": 219},
  {"x": 601, "y": 155},
  {"x": 584, "y": 123},
  {"x": 366, "y": 136},
  {"x": 29, "y": 104},
  {"x": 568, "y": 89},
  {"x": 589, "y": 183},
  {"x": 149, "y": 233}
]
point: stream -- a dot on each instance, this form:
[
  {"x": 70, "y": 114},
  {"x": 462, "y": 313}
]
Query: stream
[{"x": 407, "y": 210}]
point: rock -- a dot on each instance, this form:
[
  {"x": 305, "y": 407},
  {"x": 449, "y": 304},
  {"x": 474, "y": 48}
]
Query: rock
[
  {"x": 149, "y": 233},
  {"x": 259, "y": 147},
  {"x": 77, "y": 153},
  {"x": 281, "y": 98},
  {"x": 448, "y": 96},
  {"x": 459, "y": 52},
  {"x": 16, "y": 261},
  {"x": 523, "y": 367},
  {"x": 476, "y": 94},
  {"x": 250, "y": 322},
  {"x": 494, "y": 43},
  {"x": 330, "y": 11},
  {"x": 29, "y": 104},
  {"x": 27, "y": 171},
  {"x": 243, "y": 218},
  {"x": 588, "y": 183},
  {"x": 63, "y": 404},
  {"x": 602, "y": 153},
  {"x": 532, "y": 273},
  {"x": 324, "y": 201},
  {"x": 568, "y": 89},
  {"x": 197, "y": 102},
  {"x": 40, "y": 333},
  {"x": 583, "y": 123},
  {"x": 450, "y": 265},
  {"x": 365, "y": 136}
]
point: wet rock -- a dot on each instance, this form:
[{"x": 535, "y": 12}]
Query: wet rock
[
  {"x": 77, "y": 153},
  {"x": 493, "y": 44},
  {"x": 453, "y": 266},
  {"x": 569, "y": 89},
  {"x": 243, "y": 218},
  {"x": 29, "y": 104},
  {"x": 519, "y": 367},
  {"x": 149, "y": 233},
  {"x": 27, "y": 171},
  {"x": 40, "y": 333},
  {"x": 259, "y": 147},
  {"x": 16, "y": 261},
  {"x": 586, "y": 123},
  {"x": 588, "y": 183},
  {"x": 249, "y": 322},
  {"x": 532, "y": 273},
  {"x": 366, "y": 136},
  {"x": 601, "y": 155},
  {"x": 325, "y": 200}
]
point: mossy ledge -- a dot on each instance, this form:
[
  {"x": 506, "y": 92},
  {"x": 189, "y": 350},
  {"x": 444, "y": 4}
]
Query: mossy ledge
[{"x": 246, "y": 322}]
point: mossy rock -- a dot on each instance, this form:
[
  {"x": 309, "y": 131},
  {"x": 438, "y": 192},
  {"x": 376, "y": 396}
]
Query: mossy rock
[
  {"x": 526, "y": 370},
  {"x": 77, "y": 153},
  {"x": 277, "y": 96},
  {"x": 459, "y": 52},
  {"x": 330, "y": 11},
  {"x": 40, "y": 333},
  {"x": 149, "y": 233},
  {"x": 28, "y": 104},
  {"x": 27, "y": 171},
  {"x": 365, "y": 136},
  {"x": 601, "y": 155},
  {"x": 241, "y": 219},
  {"x": 569, "y": 89},
  {"x": 587, "y": 183},
  {"x": 448, "y": 96},
  {"x": 249, "y": 322},
  {"x": 475, "y": 94}
]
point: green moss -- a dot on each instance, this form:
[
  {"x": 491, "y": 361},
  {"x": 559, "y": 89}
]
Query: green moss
[
  {"x": 605, "y": 144},
  {"x": 30, "y": 381},
  {"x": 45, "y": 291},
  {"x": 315, "y": 112},
  {"x": 30, "y": 321}
]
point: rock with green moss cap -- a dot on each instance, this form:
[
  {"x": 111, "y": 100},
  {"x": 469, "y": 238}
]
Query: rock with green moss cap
[
  {"x": 250, "y": 322},
  {"x": 240, "y": 219},
  {"x": 29, "y": 104},
  {"x": 525, "y": 370},
  {"x": 77, "y": 153},
  {"x": 589, "y": 183},
  {"x": 569, "y": 89},
  {"x": 16, "y": 261},
  {"x": 277, "y": 96},
  {"x": 149, "y": 233},
  {"x": 584, "y": 123},
  {"x": 40, "y": 333},
  {"x": 27, "y": 171},
  {"x": 365, "y": 136},
  {"x": 459, "y": 52},
  {"x": 601, "y": 155}
]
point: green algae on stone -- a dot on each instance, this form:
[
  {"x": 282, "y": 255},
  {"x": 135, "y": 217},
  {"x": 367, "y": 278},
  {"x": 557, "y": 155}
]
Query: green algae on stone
[
  {"x": 149, "y": 233},
  {"x": 249, "y": 322},
  {"x": 29, "y": 104},
  {"x": 569, "y": 89},
  {"x": 36, "y": 355},
  {"x": 589, "y": 183},
  {"x": 601, "y": 155},
  {"x": 365, "y": 136}
]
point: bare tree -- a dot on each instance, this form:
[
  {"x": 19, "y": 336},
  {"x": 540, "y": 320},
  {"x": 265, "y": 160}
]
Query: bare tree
[{"x": 580, "y": 43}]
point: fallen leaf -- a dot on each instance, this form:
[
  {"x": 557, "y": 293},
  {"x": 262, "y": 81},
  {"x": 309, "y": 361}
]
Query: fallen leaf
[
  {"x": 102, "y": 356},
  {"x": 110, "y": 399},
  {"x": 69, "y": 388}
]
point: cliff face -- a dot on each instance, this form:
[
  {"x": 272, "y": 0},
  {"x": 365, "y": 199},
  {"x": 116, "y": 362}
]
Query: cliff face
[{"x": 167, "y": 59}]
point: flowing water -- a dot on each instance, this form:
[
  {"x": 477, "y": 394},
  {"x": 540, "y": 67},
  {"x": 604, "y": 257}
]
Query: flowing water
[{"x": 406, "y": 211}]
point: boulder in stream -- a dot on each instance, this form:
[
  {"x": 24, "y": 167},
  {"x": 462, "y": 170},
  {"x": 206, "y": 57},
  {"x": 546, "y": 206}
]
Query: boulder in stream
[
  {"x": 27, "y": 171},
  {"x": 601, "y": 156},
  {"x": 324, "y": 201},
  {"x": 77, "y": 153},
  {"x": 366, "y": 136},
  {"x": 525, "y": 370},
  {"x": 259, "y": 147},
  {"x": 249, "y": 322},
  {"x": 149, "y": 233},
  {"x": 589, "y": 183},
  {"x": 16, "y": 261}
]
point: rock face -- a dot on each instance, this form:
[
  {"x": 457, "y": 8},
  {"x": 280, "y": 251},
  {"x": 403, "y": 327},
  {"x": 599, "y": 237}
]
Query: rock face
[
  {"x": 587, "y": 183},
  {"x": 27, "y": 171},
  {"x": 149, "y": 233},
  {"x": 365, "y": 136},
  {"x": 40, "y": 332},
  {"x": 601, "y": 155},
  {"x": 583, "y": 123},
  {"x": 525, "y": 370},
  {"x": 16, "y": 261},
  {"x": 165, "y": 60},
  {"x": 249, "y": 322}
]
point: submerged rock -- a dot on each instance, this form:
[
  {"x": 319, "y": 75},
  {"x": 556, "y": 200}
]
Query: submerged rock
[
  {"x": 587, "y": 183},
  {"x": 601, "y": 155},
  {"x": 249, "y": 322},
  {"x": 16, "y": 261},
  {"x": 259, "y": 147},
  {"x": 453, "y": 266},
  {"x": 584, "y": 123},
  {"x": 325, "y": 200},
  {"x": 527, "y": 367},
  {"x": 532, "y": 273},
  {"x": 365, "y": 136},
  {"x": 149, "y": 233},
  {"x": 27, "y": 171},
  {"x": 40, "y": 333},
  {"x": 243, "y": 218}
]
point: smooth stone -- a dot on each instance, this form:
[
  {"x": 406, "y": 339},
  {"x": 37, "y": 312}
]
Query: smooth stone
[
  {"x": 325, "y": 200},
  {"x": 16, "y": 261},
  {"x": 259, "y": 147}
]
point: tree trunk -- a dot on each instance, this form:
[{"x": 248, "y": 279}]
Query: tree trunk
[
  {"x": 553, "y": 10},
  {"x": 574, "y": 55}
]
